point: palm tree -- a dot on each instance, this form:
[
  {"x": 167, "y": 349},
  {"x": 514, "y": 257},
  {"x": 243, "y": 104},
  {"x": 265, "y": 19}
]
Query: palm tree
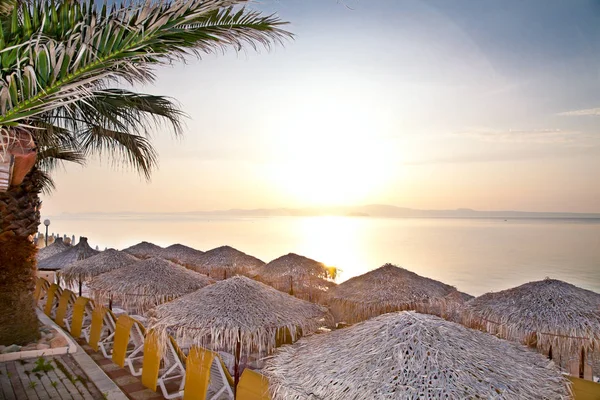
[{"x": 58, "y": 62}]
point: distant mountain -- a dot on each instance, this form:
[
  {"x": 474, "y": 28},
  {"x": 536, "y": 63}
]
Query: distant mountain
[
  {"x": 387, "y": 211},
  {"x": 373, "y": 210}
]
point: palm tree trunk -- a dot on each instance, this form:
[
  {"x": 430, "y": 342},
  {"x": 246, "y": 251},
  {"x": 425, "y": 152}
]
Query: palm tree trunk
[{"x": 19, "y": 220}]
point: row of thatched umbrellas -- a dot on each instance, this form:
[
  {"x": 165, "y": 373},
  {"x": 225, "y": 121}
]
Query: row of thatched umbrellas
[
  {"x": 298, "y": 275},
  {"x": 242, "y": 315}
]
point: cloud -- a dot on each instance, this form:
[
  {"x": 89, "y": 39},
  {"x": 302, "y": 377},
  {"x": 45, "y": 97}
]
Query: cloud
[
  {"x": 523, "y": 136},
  {"x": 579, "y": 113}
]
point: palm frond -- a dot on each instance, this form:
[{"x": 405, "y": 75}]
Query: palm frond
[
  {"x": 130, "y": 149},
  {"x": 47, "y": 133},
  {"x": 129, "y": 111},
  {"x": 119, "y": 116},
  {"x": 50, "y": 158},
  {"x": 47, "y": 182},
  {"x": 57, "y": 55}
]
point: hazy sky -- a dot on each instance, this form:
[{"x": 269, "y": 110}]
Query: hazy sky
[{"x": 490, "y": 105}]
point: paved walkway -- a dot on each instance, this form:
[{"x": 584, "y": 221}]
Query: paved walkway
[
  {"x": 57, "y": 377},
  {"x": 129, "y": 384}
]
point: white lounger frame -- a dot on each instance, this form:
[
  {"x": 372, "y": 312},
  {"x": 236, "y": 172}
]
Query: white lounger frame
[
  {"x": 109, "y": 328},
  {"x": 136, "y": 336},
  {"x": 174, "y": 369}
]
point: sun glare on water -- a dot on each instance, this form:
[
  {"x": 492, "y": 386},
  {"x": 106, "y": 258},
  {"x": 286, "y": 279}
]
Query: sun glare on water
[{"x": 337, "y": 242}]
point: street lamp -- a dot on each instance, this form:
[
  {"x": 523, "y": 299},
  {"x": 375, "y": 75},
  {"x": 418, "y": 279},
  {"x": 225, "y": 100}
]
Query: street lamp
[{"x": 47, "y": 223}]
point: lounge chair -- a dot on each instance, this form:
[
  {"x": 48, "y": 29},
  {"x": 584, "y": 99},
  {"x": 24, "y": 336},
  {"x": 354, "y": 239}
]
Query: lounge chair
[
  {"x": 64, "y": 311},
  {"x": 253, "y": 386},
  {"x": 584, "y": 389},
  {"x": 151, "y": 363},
  {"x": 206, "y": 376},
  {"x": 174, "y": 369},
  {"x": 136, "y": 355},
  {"x": 221, "y": 381},
  {"x": 41, "y": 288},
  {"x": 52, "y": 297},
  {"x": 109, "y": 329},
  {"x": 128, "y": 339},
  {"x": 81, "y": 319},
  {"x": 102, "y": 330}
]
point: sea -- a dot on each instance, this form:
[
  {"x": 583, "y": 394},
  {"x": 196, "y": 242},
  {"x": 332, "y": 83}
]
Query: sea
[{"x": 474, "y": 255}]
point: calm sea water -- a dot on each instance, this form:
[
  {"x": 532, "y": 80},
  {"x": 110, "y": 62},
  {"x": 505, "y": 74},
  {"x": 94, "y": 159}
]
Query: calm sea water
[{"x": 475, "y": 255}]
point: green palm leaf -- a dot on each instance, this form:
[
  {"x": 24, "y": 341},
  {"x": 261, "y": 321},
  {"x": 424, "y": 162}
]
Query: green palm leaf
[
  {"x": 73, "y": 52},
  {"x": 115, "y": 123}
]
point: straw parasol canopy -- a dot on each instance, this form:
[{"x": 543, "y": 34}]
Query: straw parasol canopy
[
  {"x": 52, "y": 249},
  {"x": 237, "y": 314},
  {"x": 144, "y": 284},
  {"x": 81, "y": 251},
  {"x": 298, "y": 275},
  {"x": 181, "y": 254},
  {"x": 224, "y": 262},
  {"x": 405, "y": 355},
  {"x": 106, "y": 261},
  {"x": 558, "y": 318},
  {"x": 144, "y": 250},
  {"x": 390, "y": 288}
]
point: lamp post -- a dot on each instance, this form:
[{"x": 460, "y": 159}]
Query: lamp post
[{"x": 47, "y": 223}]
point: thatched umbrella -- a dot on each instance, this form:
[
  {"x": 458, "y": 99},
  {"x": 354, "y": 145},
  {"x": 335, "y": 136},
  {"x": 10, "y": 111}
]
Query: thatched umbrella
[
  {"x": 144, "y": 250},
  {"x": 52, "y": 249},
  {"x": 146, "y": 283},
  {"x": 558, "y": 318},
  {"x": 181, "y": 254},
  {"x": 238, "y": 315},
  {"x": 106, "y": 261},
  {"x": 81, "y": 251},
  {"x": 298, "y": 275},
  {"x": 224, "y": 262},
  {"x": 388, "y": 289},
  {"x": 406, "y": 355}
]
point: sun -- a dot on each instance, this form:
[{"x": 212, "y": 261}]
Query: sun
[{"x": 332, "y": 153}]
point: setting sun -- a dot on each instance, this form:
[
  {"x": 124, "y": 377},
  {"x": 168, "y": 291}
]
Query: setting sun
[{"x": 338, "y": 155}]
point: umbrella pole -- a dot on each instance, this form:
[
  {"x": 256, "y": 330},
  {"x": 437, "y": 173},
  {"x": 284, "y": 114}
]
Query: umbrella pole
[
  {"x": 291, "y": 286},
  {"x": 80, "y": 285},
  {"x": 110, "y": 304},
  {"x": 582, "y": 363},
  {"x": 236, "y": 371}
]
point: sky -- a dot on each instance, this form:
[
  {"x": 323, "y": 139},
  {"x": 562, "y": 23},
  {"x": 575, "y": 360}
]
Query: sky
[{"x": 490, "y": 105}]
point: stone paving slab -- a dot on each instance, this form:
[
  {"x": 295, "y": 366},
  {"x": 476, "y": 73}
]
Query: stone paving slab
[
  {"x": 129, "y": 384},
  {"x": 59, "y": 379},
  {"x": 6, "y": 391}
]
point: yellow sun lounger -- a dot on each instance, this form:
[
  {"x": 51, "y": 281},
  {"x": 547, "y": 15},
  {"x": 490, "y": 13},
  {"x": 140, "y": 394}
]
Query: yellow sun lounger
[
  {"x": 67, "y": 298},
  {"x": 102, "y": 330},
  {"x": 54, "y": 291},
  {"x": 584, "y": 389},
  {"x": 151, "y": 361},
  {"x": 174, "y": 370},
  {"x": 206, "y": 377},
  {"x": 137, "y": 354},
  {"x": 253, "y": 386},
  {"x": 121, "y": 339},
  {"x": 41, "y": 287},
  {"x": 82, "y": 316}
]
